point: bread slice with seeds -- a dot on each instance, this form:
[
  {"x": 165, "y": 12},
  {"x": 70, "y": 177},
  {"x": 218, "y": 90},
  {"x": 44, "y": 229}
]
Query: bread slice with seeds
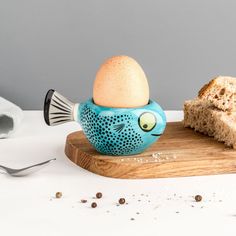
[
  {"x": 221, "y": 92},
  {"x": 203, "y": 117}
]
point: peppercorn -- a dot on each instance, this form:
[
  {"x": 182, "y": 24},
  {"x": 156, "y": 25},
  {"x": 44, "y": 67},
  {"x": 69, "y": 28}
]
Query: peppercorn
[
  {"x": 58, "y": 194},
  {"x": 122, "y": 201},
  {"x": 98, "y": 195},
  {"x": 83, "y": 200},
  {"x": 198, "y": 198},
  {"x": 94, "y": 205}
]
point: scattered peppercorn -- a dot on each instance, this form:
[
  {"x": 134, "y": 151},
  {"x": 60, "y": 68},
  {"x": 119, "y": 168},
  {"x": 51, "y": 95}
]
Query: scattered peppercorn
[
  {"x": 132, "y": 219},
  {"x": 83, "y": 201},
  {"x": 122, "y": 201},
  {"x": 58, "y": 194},
  {"x": 98, "y": 195},
  {"x": 198, "y": 198},
  {"x": 94, "y": 205}
]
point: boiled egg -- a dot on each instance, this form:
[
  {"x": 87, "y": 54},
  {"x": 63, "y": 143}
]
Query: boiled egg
[{"x": 121, "y": 83}]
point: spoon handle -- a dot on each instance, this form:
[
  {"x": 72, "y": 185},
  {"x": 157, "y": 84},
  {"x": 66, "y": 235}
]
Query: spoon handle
[{"x": 40, "y": 164}]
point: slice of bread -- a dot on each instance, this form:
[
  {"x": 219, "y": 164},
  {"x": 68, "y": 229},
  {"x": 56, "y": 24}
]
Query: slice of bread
[
  {"x": 221, "y": 91},
  {"x": 203, "y": 117}
]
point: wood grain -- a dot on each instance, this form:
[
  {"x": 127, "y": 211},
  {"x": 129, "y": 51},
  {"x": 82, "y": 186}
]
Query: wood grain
[{"x": 179, "y": 152}]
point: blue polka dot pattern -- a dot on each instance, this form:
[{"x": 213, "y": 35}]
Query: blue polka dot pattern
[
  {"x": 113, "y": 135},
  {"x": 114, "y": 131}
]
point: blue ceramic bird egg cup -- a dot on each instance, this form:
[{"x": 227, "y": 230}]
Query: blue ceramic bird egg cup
[{"x": 111, "y": 131}]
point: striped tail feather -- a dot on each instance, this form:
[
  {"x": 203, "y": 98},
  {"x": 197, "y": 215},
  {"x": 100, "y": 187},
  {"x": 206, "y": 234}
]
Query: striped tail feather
[{"x": 57, "y": 109}]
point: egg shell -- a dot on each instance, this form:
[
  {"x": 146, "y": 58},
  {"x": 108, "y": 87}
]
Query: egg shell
[{"x": 121, "y": 83}]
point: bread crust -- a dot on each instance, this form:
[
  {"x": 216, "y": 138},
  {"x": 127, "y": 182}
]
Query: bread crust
[
  {"x": 207, "y": 87},
  {"x": 221, "y": 92}
]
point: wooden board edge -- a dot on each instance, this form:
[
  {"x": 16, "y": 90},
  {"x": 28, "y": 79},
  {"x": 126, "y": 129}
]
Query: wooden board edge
[{"x": 158, "y": 170}]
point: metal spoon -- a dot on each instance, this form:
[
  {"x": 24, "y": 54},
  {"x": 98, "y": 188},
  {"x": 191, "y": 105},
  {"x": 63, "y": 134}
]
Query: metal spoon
[{"x": 27, "y": 170}]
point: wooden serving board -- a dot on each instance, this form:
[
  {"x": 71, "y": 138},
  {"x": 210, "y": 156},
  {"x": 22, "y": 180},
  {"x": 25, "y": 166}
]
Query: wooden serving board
[{"x": 179, "y": 152}]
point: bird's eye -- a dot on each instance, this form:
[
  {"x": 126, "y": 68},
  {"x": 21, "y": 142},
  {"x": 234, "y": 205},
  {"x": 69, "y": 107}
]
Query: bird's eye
[{"x": 147, "y": 121}]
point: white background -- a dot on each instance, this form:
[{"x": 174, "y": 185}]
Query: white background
[{"x": 28, "y": 206}]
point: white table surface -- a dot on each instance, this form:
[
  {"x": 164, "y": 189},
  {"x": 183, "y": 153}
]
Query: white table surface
[{"x": 28, "y": 206}]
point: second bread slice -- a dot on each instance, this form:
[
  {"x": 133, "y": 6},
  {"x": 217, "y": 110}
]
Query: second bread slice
[{"x": 203, "y": 117}]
